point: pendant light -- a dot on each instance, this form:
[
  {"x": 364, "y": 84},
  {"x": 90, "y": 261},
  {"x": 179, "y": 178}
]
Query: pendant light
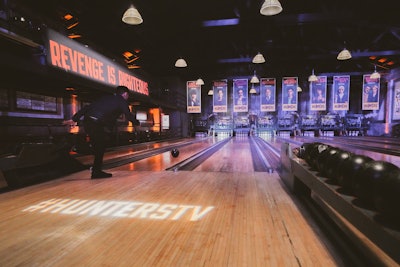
[
  {"x": 199, "y": 81},
  {"x": 254, "y": 79},
  {"x": 344, "y": 54},
  {"x": 375, "y": 74},
  {"x": 271, "y": 7},
  {"x": 313, "y": 77},
  {"x": 253, "y": 90},
  {"x": 180, "y": 63},
  {"x": 132, "y": 16},
  {"x": 258, "y": 59}
]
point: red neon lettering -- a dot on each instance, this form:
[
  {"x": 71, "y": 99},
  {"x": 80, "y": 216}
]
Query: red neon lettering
[
  {"x": 88, "y": 63},
  {"x": 64, "y": 57},
  {"x": 111, "y": 75},
  {"x": 81, "y": 62},
  {"x": 54, "y": 53},
  {"x": 73, "y": 58}
]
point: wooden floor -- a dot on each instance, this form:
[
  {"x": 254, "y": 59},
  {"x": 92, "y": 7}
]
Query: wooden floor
[{"x": 160, "y": 218}]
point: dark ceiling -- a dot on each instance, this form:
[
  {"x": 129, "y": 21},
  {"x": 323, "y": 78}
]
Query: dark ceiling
[{"x": 307, "y": 34}]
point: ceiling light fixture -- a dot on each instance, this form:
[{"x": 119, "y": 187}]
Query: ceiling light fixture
[
  {"x": 74, "y": 36},
  {"x": 253, "y": 90},
  {"x": 132, "y": 16},
  {"x": 271, "y": 7},
  {"x": 180, "y": 63},
  {"x": 254, "y": 79},
  {"x": 72, "y": 25},
  {"x": 313, "y": 77},
  {"x": 133, "y": 67},
  {"x": 375, "y": 74},
  {"x": 344, "y": 54},
  {"x": 68, "y": 16},
  {"x": 199, "y": 81},
  {"x": 258, "y": 59}
]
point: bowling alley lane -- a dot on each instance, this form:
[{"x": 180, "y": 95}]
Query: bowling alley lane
[
  {"x": 235, "y": 156},
  {"x": 223, "y": 213},
  {"x": 165, "y": 160},
  {"x": 163, "y": 218},
  {"x": 127, "y": 151}
]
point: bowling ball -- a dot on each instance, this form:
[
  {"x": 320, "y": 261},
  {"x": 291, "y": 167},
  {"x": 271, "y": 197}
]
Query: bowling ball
[
  {"x": 370, "y": 177},
  {"x": 348, "y": 169},
  {"x": 332, "y": 165},
  {"x": 305, "y": 150},
  {"x": 175, "y": 152},
  {"x": 386, "y": 198},
  {"x": 310, "y": 151},
  {"x": 316, "y": 151},
  {"x": 324, "y": 159},
  {"x": 302, "y": 151}
]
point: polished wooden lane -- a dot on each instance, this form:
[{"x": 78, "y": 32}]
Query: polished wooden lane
[
  {"x": 165, "y": 160},
  {"x": 235, "y": 156},
  {"x": 161, "y": 218},
  {"x": 131, "y": 150}
]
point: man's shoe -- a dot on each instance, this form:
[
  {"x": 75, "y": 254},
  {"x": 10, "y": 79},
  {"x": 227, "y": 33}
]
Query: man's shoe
[{"x": 101, "y": 175}]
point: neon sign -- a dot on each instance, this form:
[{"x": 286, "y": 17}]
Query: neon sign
[{"x": 72, "y": 57}]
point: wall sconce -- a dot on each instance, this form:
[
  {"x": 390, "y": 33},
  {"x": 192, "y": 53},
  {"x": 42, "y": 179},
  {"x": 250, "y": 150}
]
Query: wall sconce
[
  {"x": 180, "y": 63},
  {"x": 210, "y": 92},
  {"x": 132, "y": 16},
  {"x": 271, "y": 7}
]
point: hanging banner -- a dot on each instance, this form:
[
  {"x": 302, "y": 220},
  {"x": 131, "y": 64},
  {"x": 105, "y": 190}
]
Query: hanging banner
[
  {"x": 396, "y": 100},
  {"x": 289, "y": 93},
  {"x": 240, "y": 92},
  {"x": 371, "y": 90},
  {"x": 193, "y": 97},
  {"x": 220, "y": 93},
  {"x": 267, "y": 93},
  {"x": 318, "y": 93},
  {"x": 341, "y": 89}
]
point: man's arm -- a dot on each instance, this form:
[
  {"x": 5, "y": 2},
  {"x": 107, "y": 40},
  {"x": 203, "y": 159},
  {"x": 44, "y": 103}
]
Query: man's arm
[
  {"x": 129, "y": 115},
  {"x": 76, "y": 117}
]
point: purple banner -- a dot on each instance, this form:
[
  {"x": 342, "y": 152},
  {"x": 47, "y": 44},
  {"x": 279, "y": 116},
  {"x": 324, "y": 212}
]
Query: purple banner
[
  {"x": 289, "y": 93},
  {"x": 371, "y": 90},
  {"x": 240, "y": 93},
  {"x": 193, "y": 97},
  {"x": 220, "y": 93},
  {"x": 318, "y": 93},
  {"x": 267, "y": 93},
  {"x": 341, "y": 90}
]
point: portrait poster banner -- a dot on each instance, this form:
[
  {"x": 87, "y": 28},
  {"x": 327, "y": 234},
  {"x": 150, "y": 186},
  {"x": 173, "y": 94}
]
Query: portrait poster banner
[
  {"x": 289, "y": 93},
  {"x": 371, "y": 90},
  {"x": 193, "y": 97},
  {"x": 220, "y": 93},
  {"x": 396, "y": 99},
  {"x": 240, "y": 93},
  {"x": 318, "y": 93},
  {"x": 267, "y": 94},
  {"x": 341, "y": 92}
]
